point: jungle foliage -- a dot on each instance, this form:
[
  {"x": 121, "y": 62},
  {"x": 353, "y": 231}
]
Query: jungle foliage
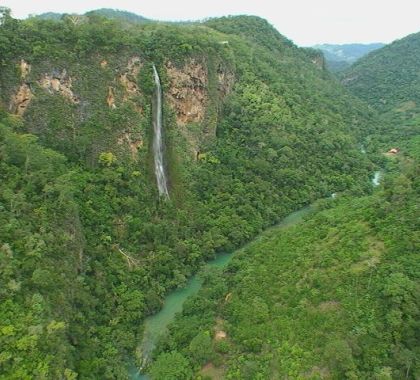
[
  {"x": 334, "y": 297},
  {"x": 88, "y": 249}
]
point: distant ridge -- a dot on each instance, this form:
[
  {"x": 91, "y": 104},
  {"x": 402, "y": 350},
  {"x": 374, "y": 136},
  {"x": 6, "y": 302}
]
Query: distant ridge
[
  {"x": 339, "y": 57},
  {"x": 114, "y": 14},
  {"x": 117, "y": 14}
]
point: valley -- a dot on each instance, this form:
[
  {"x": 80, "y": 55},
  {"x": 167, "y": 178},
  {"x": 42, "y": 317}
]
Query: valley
[{"x": 155, "y": 187}]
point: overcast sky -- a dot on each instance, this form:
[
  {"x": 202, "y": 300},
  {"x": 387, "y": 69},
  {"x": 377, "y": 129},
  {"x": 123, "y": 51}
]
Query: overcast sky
[{"x": 306, "y": 22}]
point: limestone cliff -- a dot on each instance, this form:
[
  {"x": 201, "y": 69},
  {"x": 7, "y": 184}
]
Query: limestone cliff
[
  {"x": 194, "y": 93},
  {"x": 25, "y": 69},
  {"x": 61, "y": 83},
  {"x": 194, "y": 90},
  {"x": 128, "y": 79},
  {"x": 187, "y": 93},
  {"x": 20, "y": 101}
]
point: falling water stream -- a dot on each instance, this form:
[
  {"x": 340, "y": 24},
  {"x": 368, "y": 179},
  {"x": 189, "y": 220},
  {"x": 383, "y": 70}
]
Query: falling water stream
[
  {"x": 158, "y": 139},
  {"x": 377, "y": 176}
]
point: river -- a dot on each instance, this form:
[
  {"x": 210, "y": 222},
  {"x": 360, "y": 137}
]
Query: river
[{"x": 155, "y": 325}]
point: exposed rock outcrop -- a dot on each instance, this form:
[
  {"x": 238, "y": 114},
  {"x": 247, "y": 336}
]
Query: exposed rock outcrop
[
  {"x": 319, "y": 62},
  {"x": 21, "y": 100},
  {"x": 187, "y": 92},
  {"x": 134, "y": 65},
  {"x": 130, "y": 86},
  {"x": 128, "y": 79},
  {"x": 225, "y": 79},
  {"x": 195, "y": 93},
  {"x": 110, "y": 99},
  {"x": 59, "y": 83},
  {"x": 134, "y": 142},
  {"x": 25, "y": 69}
]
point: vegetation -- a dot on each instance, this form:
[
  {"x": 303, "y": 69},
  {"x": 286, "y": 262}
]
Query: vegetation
[
  {"x": 335, "y": 297},
  {"x": 388, "y": 80},
  {"x": 87, "y": 247}
]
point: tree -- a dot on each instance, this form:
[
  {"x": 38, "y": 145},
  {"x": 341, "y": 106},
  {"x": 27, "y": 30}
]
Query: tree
[
  {"x": 201, "y": 347},
  {"x": 5, "y": 15},
  {"x": 107, "y": 159},
  {"x": 171, "y": 366}
]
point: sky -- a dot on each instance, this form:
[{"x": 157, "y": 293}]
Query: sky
[{"x": 306, "y": 22}]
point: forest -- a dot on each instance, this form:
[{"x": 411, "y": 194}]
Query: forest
[
  {"x": 333, "y": 297},
  {"x": 254, "y": 129}
]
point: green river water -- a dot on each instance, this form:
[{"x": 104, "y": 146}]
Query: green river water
[{"x": 155, "y": 325}]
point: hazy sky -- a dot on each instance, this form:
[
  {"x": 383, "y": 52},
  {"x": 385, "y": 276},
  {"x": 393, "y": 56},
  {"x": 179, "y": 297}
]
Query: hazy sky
[{"x": 306, "y": 22}]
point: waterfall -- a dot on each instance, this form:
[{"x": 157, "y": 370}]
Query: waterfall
[
  {"x": 157, "y": 138},
  {"x": 376, "y": 180}
]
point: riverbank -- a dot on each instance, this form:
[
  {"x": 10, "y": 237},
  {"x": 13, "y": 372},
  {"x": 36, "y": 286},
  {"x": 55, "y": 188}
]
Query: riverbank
[{"x": 155, "y": 325}]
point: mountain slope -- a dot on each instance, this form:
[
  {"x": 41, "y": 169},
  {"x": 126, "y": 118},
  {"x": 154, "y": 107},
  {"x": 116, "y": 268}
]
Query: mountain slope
[
  {"x": 118, "y": 15},
  {"x": 388, "y": 79},
  {"x": 334, "y": 297},
  {"x": 254, "y": 129}
]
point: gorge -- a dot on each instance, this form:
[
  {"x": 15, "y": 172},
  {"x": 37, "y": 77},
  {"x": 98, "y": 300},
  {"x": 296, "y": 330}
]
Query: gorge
[{"x": 104, "y": 119}]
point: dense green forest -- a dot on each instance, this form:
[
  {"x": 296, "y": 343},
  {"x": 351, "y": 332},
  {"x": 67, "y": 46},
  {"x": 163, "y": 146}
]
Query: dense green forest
[
  {"x": 255, "y": 128},
  {"x": 334, "y": 297},
  {"x": 388, "y": 79}
]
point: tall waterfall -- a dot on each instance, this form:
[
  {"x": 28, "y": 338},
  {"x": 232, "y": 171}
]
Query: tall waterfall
[{"x": 157, "y": 138}]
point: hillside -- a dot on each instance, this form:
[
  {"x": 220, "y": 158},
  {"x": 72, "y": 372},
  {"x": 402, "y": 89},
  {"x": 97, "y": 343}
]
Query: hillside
[
  {"x": 388, "y": 79},
  {"x": 254, "y": 128},
  {"x": 340, "y": 57},
  {"x": 334, "y": 297}
]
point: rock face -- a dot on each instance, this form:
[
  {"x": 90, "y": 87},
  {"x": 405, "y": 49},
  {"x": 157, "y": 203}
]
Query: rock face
[
  {"x": 110, "y": 99},
  {"x": 194, "y": 90},
  {"x": 128, "y": 79},
  {"x": 226, "y": 80},
  {"x": 187, "y": 92},
  {"x": 319, "y": 62},
  {"x": 21, "y": 100},
  {"x": 25, "y": 69},
  {"x": 195, "y": 96},
  {"x": 134, "y": 142},
  {"x": 59, "y": 83}
]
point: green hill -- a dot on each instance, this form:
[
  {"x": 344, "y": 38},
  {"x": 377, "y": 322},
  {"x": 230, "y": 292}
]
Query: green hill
[
  {"x": 388, "y": 79},
  {"x": 334, "y": 297},
  {"x": 118, "y": 14},
  {"x": 254, "y": 129},
  {"x": 113, "y": 14}
]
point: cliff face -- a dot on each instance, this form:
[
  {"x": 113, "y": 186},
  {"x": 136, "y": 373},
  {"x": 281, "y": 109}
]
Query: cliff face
[
  {"x": 194, "y": 90},
  {"x": 59, "y": 83},
  {"x": 21, "y": 100},
  {"x": 187, "y": 93},
  {"x": 195, "y": 93}
]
